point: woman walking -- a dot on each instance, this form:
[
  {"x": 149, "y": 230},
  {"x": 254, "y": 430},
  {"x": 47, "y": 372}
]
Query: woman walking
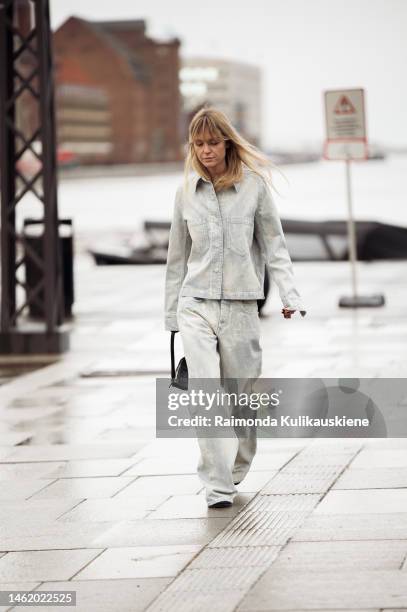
[{"x": 225, "y": 230}]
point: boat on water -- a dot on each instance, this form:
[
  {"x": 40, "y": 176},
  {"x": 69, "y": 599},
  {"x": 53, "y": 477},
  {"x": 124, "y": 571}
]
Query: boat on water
[{"x": 306, "y": 241}]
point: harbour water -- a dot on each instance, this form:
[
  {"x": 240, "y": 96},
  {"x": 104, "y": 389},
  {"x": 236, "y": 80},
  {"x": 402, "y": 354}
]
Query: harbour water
[{"x": 105, "y": 208}]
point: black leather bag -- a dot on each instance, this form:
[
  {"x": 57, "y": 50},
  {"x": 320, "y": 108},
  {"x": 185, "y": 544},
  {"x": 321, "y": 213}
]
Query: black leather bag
[{"x": 179, "y": 376}]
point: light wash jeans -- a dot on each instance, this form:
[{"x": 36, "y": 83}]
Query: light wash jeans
[{"x": 221, "y": 341}]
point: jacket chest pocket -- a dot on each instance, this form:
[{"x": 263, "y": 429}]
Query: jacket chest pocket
[
  {"x": 198, "y": 230},
  {"x": 240, "y": 234}
]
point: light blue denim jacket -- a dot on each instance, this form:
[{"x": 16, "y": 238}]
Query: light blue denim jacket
[{"x": 219, "y": 245}]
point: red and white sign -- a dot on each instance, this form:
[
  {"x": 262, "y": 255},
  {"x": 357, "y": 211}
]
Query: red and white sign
[{"x": 345, "y": 124}]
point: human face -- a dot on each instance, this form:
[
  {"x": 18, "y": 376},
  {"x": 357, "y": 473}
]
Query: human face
[{"x": 211, "y": 152}]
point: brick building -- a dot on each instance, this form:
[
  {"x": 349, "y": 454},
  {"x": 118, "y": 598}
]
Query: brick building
[{"x": 117, "y": 92}]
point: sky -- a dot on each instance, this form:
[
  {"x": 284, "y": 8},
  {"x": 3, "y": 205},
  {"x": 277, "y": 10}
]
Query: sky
[{"x": 303, "y": 47}]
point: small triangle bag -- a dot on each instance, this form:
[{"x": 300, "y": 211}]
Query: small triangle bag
[{"x": 179, "y": 376}]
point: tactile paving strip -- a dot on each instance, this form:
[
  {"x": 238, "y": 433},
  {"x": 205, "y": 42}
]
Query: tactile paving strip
[
  {"x": 185, "y": 601},
  {"x": 233, "y": 562},
  {"x": 323, "y": 455},
  {"x": 216, "y": 579},
  {"x": 333, "y": 445},
  {"x": 303, "y": 479},
  {"x": 267, "y": 520},
  {"x": 263, "y": 529},
  {"x": 239, "y": 556},
  {"x": 296, "y": 502}
]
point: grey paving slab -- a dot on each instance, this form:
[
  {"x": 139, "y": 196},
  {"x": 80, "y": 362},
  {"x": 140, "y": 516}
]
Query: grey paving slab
[
  {"x": 14, "y": 416},
  {"x": 329, "y": 556},
  {"x": 82, "y": 407},
  {"x": 43, "y": 535},
  {"x": 162, "y": 466},
  {"x": 363, "y": 501},
  {"x": 254, "y": 481},
  {"x": 112, "y": 595},
  {"x": 5, "y": 451},
  {"x": 322, "y": 527},
  {"x": 239, "y": 556},
  {"x": 375, "y": 478},
  {"x": 162, "y": 532},
  {"x": 61, "y": 452},
  {"x": 83, "y": 487},
  {"x": 44, "y": 564},
  {"x": 88, "y": 399},
  {"x": 271, "y": 461},
  {"x": 22, "y": 489},
  {"x": 12, "y": 438},
  {"x": 370, "y": 458},
  {"x": 46, "y": 391},
  {"x": 28, "y": 471},
  {"x": 326, "y": 590},
  {"x": 174, "y": 484},
  {"x": 114, "y": 509},
  {"x": 88, "y": 468},
  {"x": 303, "y": 479},
  {"x": 139, "y": 562},
  {"x": 79, "y": 383},
  {"x": 19, "y": 510},
  {"x": 385, "y": 443},
  {"x": 270, "y": 445},
  {"x": 125, "y": 434},
  {"x": 195, "y": 506},
  {"x": 162, "y": 446}
]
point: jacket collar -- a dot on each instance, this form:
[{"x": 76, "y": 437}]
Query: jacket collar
[{"x": 195, "y": 178}]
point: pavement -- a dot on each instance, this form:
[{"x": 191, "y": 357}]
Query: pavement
[{"x": 92, "y": 502}]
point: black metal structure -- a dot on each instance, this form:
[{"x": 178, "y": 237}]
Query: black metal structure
[{"x": 26, "y": 81}]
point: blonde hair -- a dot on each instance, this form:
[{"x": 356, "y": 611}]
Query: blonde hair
[{"x": 238, "y": 150}]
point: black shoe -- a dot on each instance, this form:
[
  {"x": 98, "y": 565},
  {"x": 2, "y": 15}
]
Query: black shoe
[
  {"x": 236, "y": 483},
  {"x": 220, "y": 504}
]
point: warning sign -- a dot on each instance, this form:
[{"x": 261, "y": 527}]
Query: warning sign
[
  {"x": 345, "y": 124},
  {"x": 344, "y": 107}
]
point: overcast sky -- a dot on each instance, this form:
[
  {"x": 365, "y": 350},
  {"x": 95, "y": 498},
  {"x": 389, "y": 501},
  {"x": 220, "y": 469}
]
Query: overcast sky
[{"x": 303, "y": 46}]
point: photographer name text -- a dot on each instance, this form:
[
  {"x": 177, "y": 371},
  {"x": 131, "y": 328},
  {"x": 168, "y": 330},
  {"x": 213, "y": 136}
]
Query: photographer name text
[{"x": 267, "y": 421}]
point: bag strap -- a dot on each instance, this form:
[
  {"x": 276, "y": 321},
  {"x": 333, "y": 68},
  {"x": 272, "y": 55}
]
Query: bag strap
[{"x": 172, "y": 355}]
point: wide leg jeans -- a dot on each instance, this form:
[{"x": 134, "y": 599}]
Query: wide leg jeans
[{"x": 221, "y": 340}]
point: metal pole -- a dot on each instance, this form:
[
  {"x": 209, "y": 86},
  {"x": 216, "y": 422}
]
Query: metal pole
[
  {"x": 351, "y": 229},
  {"x": 26, "y": 66},
  {"x": 7, "y": 154},
  {"x": 53, "y": 302}
]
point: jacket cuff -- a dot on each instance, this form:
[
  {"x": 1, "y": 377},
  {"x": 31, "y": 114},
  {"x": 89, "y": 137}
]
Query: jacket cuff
[
  {"x": 293, "y": 304},
  {"x": 171, "y": 323}
]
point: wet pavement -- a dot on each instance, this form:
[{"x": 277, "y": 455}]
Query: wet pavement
[{"x": 92, "y": 502}]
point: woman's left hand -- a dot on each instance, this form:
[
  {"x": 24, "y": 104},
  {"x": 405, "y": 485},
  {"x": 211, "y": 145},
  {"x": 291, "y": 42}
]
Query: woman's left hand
[{"x": 287, "y": 312}]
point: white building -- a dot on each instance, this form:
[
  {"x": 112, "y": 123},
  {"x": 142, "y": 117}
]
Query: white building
[{"x": 233, "y": 87}]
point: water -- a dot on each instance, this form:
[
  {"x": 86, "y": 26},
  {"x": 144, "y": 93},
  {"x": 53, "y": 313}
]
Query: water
[{"x": 110, "y": 207}]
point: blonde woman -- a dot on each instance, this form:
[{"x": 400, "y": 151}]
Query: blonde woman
[{"x": 225, "y": 230}]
